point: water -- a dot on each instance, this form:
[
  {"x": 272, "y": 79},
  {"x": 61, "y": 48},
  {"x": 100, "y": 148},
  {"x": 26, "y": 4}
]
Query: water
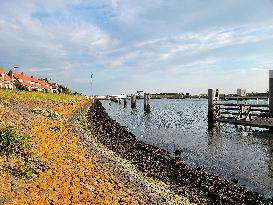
[{"x": 227, "y": 150}]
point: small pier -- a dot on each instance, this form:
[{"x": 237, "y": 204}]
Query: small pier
[{"x": 240, "y": 111}]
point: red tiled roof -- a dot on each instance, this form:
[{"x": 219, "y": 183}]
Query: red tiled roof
[
  {"x": 25, "y": 78},
  {"x": 33, "y": 79},
  {"x": 53, "y": 85},
  {"x": 21, "y": 76},
  {"x": 6, "y": 78},
  {"x": 26, "y": 82},
  {"x": 2, "y": 71},
  {"x": 44, "y": 84}
]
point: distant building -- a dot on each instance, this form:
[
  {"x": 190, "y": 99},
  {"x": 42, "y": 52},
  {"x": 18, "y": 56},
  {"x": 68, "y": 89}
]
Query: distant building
[
  {"x": 121, "y": 96},
  {"x": 101, "y": 97},
  {"x": 31, "y": 83},
  {"x": 241, "y": 92},
  {"x": 54, "y": 87},
  {"x": 5, "y": 80}
]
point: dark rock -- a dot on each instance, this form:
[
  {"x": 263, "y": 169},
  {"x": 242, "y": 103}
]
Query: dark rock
[
  {"x": 234, "y": 180},
  {"x": 177, "y": 152}
]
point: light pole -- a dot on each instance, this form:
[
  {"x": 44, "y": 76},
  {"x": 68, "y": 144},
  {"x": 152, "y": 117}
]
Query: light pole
[{"x": 91, "y": 81}]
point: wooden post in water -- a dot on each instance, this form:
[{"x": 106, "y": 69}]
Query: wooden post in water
[
  {"x": 216, "y": 108},
  {"x": 125, "y": 102},
  {"x": 133, "y": 101},
  {"x": 210, "y": 104},
  {"x": 147, "y": 106},
  {"x": 216, "y": 96},
  {"x": 271, "y": 92},
  {"x": 213, "y": 111}
]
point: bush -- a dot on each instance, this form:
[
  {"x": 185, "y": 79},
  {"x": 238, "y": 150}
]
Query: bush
[
  {"x": 64, "y": 89},
  {"x": 11, "y": 142},
  {"x": 22, "y": 88},
  {"x": 48, "y": 113}
]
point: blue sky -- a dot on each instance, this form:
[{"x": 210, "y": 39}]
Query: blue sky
[{"x": 150, "y": 45}]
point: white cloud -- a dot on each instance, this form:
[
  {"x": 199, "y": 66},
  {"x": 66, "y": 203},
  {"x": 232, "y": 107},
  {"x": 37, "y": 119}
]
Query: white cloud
[
  {"x": 157, "y": 51},
  {"x": 31, "y": 43},
  {"x": 168, "y": 40}
]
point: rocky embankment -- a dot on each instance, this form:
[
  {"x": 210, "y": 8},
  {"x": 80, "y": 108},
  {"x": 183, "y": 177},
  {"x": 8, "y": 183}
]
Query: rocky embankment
[{"x": 195, "y": 184}]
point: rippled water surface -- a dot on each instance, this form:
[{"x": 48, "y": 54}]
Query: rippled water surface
[{"x": 227, "y": 150}]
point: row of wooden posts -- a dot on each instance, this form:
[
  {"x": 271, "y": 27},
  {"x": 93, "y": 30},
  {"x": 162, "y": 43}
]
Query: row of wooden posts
[
  {"x": 252, "y": 114},
  {"x": 147, "y": 102},
  {"x": 242, "y": 113}
]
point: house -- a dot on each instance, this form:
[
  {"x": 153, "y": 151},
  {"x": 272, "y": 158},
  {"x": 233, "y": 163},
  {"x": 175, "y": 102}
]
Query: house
[
  {"x": 45, "y": 87},
  {"x": 20, "y": 79},
  {"x": 5, "y": 80},
  {"x": 31, "y": 83},
  {"x": 54, "y": 87},
  {"x": 23, "y": 82}
]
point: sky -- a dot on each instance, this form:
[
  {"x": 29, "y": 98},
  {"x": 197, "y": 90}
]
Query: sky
[{"x": 150, "y": 45}]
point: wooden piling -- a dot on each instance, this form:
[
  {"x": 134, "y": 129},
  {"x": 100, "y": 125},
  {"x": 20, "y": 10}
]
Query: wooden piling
[
  {"x": 133, "y": 101},
  {"x": 125, "y": 102},
  {"x": 210, "y": 104},
  {"x": 271, "y": 92},
  {"x": 147, "y": 106},
  {"x": 213, "y": 111}
]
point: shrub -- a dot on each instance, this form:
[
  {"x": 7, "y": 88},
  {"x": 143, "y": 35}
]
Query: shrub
[
  {"x": 47, "y": 113},
  {"x": 64, "y": 89},
  {"x": 11, "y": 142},
  {"x": 22, "y": 88}
]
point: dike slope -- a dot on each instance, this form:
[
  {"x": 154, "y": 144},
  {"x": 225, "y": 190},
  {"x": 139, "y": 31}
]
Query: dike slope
[{"x": 74, "y": 175}]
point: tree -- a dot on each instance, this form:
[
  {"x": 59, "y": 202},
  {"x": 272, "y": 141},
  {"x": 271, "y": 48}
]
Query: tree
[
  {"x": 76, "y": 93},
  {"x": 63, "y": 89},
  {"x": 45, "y": 79},
  {"x": 22, "y": 88}
]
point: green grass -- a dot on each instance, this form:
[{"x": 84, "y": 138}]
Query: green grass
[
  {"x": 11, "y": 142},
  {"x": 38, "y": 96},
  {"x": 47, "y": 113}
]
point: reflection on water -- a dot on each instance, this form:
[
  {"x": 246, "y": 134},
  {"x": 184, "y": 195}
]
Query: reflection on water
[
  {"x": 180, "y": 127},
  {"x": 270, "y": 158}
]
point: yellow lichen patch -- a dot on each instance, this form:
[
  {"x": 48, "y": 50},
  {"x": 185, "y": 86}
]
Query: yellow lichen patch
[{"x": 72, "y": 177}]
